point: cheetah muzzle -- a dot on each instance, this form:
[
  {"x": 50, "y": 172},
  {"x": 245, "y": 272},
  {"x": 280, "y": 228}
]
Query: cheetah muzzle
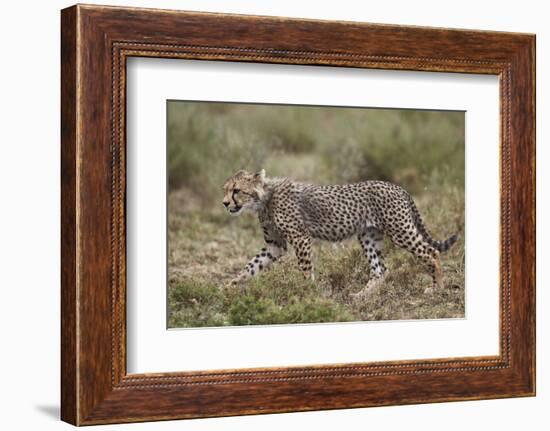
[{"x": 296, "y": 213}]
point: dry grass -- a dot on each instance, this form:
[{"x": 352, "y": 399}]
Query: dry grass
[{"x": 424, "y": 152}]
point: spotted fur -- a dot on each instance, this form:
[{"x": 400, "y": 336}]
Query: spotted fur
[{"x": 293, "y": 213}]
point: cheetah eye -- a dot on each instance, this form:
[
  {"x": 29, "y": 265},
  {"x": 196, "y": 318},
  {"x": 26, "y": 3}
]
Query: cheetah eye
[{"x": 236, "y": 190}]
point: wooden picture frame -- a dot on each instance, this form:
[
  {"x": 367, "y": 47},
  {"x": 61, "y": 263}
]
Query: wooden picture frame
[{"x": 95, "y": 43}]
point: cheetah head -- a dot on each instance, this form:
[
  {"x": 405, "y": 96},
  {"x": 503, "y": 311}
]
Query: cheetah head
[{"x": 243, "y": 190}]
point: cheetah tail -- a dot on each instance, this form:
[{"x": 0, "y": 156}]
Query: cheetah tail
[{"x": 441, "y": 246}]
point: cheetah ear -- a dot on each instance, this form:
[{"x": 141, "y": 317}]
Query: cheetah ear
[{"x": 260, "y": 176}]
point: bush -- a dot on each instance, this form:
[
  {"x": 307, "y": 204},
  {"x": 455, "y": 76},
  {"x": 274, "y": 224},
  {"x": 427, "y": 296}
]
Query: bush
[{"x": 208, "y": 142}]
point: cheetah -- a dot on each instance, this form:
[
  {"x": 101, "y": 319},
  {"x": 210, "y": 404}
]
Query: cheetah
[{"x": 294, "y": 213}]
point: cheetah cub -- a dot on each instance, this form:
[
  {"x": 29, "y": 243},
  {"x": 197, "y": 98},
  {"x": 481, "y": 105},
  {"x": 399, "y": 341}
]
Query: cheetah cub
[{"x": 295, "y": 213}]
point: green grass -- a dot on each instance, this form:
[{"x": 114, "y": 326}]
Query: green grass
[{"x": 422, "y": 151}]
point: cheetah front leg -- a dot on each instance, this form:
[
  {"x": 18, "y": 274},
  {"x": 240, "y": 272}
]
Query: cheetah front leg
[{"x": 268, "y": 255}]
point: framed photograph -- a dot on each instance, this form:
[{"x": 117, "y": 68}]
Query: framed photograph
[{"x": 264, "y": 214}]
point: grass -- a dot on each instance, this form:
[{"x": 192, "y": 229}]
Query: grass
[
  {"x": 423, "y": 151},
  {"x": 207, "y": 248}
]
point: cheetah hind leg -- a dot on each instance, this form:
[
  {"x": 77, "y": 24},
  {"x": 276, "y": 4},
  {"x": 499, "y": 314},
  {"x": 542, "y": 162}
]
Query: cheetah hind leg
[
  {"x": 371, "y": 243},
  {"x": 425, "y": 252},
  {"x": 434, "y": 266}
]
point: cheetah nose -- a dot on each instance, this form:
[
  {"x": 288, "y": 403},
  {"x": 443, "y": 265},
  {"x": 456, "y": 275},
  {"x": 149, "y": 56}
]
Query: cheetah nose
[{"x": 226, "y": 203}]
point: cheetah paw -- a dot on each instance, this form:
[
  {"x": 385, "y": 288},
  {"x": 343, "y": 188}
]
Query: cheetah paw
[
  {"x": 363, "y": 294},
  {"x": 234, "y": 282},
  {"x": 372, "y": 286}
]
